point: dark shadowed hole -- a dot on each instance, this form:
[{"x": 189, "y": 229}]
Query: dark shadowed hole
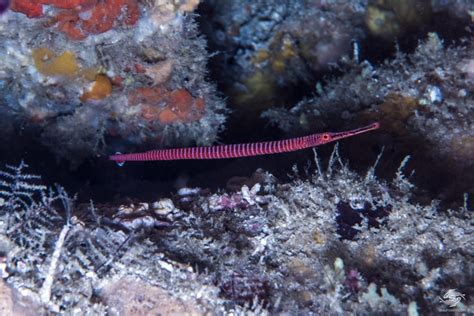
[{"x": 348, "y": 217}]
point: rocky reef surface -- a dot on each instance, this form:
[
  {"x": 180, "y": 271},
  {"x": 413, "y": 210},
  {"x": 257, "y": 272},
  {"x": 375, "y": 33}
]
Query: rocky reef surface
[
  {"x": 424, "y": 101},
  {"x": 335, "y": 243}
]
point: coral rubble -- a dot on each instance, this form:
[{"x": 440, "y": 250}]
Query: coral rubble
[{"x": 273, "y": 248}]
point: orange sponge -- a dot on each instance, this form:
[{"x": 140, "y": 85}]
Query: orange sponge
[
  {"x": 50, "y": 65},
  {"x": 101, "y": 89},
  {"x": 167, "y": 107}
]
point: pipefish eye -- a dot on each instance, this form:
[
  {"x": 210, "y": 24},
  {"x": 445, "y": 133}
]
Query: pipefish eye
[{"x": 326, "y": 137}]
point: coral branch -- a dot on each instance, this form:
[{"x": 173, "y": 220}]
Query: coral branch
[{"x": 45, "y": 292}]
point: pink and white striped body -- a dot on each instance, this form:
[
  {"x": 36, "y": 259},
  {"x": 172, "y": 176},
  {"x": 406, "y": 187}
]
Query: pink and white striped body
[{"x": 241, "y": 150}]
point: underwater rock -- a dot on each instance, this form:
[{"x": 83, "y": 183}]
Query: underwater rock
[
  {"x": 129, "y": 296},
  {"x": 69, "y": 83}
]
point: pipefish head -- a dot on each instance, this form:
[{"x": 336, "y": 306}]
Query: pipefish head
[{"x": 324, "y": 138}]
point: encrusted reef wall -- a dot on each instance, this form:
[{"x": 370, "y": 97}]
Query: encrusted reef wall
[
  {"x": 335, "y": 243},
  {"x": 94, "y": 77}
]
